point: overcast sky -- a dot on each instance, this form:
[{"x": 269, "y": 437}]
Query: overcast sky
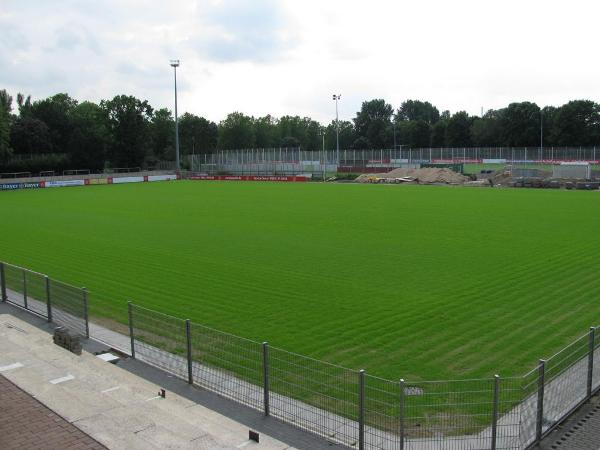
[{"x": 289, "y": 56}]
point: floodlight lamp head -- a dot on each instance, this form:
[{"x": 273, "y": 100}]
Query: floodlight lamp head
[{"x": 174, "y": 63}]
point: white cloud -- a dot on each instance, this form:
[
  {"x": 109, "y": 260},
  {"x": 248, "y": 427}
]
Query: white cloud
[{"x": 288, "y": 57}]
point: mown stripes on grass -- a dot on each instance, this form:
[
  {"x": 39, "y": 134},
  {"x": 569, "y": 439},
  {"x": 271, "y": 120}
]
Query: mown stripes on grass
[{"x": 416, "y": 282}]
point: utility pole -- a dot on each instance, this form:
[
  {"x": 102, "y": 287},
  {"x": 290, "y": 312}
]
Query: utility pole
[
  {"x": 337, "y": 128},
  {"x": 174, "y": 65}
]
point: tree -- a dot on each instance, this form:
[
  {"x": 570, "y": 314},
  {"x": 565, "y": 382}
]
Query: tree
[
  {"x": 24, "y": 104},
  {"x": 346, "y": 132},
  {"x": 55, "y": 113},
  {"x": 548, "y": 121},
  {"x": 372, "y": 123},
  {"x": 521, "y": 125},
  {"x": 90, "y": 136},
  {"x": 128, "y": 121},
  {"x": 577, "y": 123},
  {"x": 5, "y": 124},
  {"x": 487, "y": 130},
  {"x": 266, "y": 132},
  {"x": 418, "y": 110},
  {"x": 29, "y": 136},
  {"x": 458, "y": 130},
  {"x": 305, "y": 131},
  {"x": 290, "y": 142},
  {"x": 413, "y": 133},
  {"x": 162, "y": 133},
  {"x": 197, "y": 135},
  {"x": 438, "y": 133},
  {"x": 236, "y": 132}
]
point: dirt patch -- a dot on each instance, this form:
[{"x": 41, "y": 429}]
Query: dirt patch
[{"x": 429, "y": 175}]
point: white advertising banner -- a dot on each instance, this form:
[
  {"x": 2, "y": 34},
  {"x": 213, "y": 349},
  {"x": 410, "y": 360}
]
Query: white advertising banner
[
  {"x": 161, "y": 177},
  {"x": 64, "y": 183},
  {"x": 120, "y": 180}
]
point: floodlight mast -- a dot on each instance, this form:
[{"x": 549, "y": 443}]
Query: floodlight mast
[
  {"x": 336, "y": 97},
  {"x": 175, "y": 64}
]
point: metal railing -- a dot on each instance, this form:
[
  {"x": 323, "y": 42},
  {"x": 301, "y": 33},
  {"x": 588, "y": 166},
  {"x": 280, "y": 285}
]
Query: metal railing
[
  {"x": 57, "y": 302},
  {"x": 347, "y": 406},
  {"x": 295, "y": 160},
  {"x": 364, "y": 411}
]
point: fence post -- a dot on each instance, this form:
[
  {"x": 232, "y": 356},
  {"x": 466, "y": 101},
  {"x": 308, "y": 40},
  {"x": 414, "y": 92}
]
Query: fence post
[
  {"x": 25, "y": 289},
  {"x": 85, "y": 312},
  {"x": 130, "y": 315},
  {"x": 540, "y": 402},
  {"x": 402, "y": 412},
  {"x": 48, "y": 299},
  {"x": 495, "y": 410},
  {"x": 590, "y": 373},
  {"x": 265, "y": 347},
  {"x": 361, "y": 409},
  {"x": 188, "y": 336},
  {"x": 3, "y": 282}
]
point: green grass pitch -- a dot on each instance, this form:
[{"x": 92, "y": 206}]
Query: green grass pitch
[{"x": 415, "y": 282}]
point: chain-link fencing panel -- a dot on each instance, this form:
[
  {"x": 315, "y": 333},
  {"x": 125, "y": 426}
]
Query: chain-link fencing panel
[
  {"x": 228, "y": 365},
  {"x": 384, "y": 421},
  {"x": 528, "y": 408},
  {"x": 565, "y": 381},
  {"x": 35, "y": 284},
  {"x": 160, "y": 340},
  {"x": 314, "y": 395},
  {"x": 108, "y": 321},
  {"x": 509, "y": 414},
  {"x": 16, "y": 291},
  {"x": 68, "y": 306},
  {"x": 449, "y": 414},
  {"x": 596, "y": 371}
]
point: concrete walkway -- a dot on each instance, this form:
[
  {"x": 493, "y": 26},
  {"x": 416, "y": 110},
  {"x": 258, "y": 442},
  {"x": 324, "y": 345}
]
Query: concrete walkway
[{"x": 115, "y": 407}]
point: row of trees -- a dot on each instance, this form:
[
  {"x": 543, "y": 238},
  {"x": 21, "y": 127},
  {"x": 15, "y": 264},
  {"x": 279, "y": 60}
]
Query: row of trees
[
  {"x": 121, "y": 132},
  {"x": 128, "y": 132}
]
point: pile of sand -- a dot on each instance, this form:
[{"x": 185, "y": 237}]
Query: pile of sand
[{"x": 428, "y": 175}]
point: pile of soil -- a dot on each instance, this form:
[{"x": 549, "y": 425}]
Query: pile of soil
[{"x": 429, "y": 175}]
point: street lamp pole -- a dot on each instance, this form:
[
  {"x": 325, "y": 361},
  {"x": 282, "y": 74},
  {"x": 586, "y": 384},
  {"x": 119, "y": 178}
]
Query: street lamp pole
[
  {"x": 175, "y": 64},
  {"x": 394, "y": 125},
  {"x": 541, "y": 133},
  {"x": 337, "y": 128}
]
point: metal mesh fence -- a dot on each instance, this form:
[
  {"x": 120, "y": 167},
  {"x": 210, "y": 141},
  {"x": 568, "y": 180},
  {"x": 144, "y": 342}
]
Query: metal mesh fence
[
  {"x": 160, "y": 340},
  {"x": 291, "y": 161},
  {"x": 68, "y": 306},
  {"x": 456, "y": 411},
  {"x": 314, "y": 395},
  {"x": 565, "y": 381},
  {"x": 528, "y": 408},
  {"x": 344, "y": 405},
  {"x": 26, "y": 288},
  {"x": 509, "y": 413},
  {"x": 384, "y": 414},
  {"x": 15, "y": 285},
  {"x": 35, "y": 285},
  {"x": 596, "y": 369},
  {"x": 108, "y": 321},
  {"x": 227, "y": 364}
]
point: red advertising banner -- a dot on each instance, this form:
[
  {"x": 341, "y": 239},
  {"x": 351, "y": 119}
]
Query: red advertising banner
[{"x": 295, "y": 178}]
